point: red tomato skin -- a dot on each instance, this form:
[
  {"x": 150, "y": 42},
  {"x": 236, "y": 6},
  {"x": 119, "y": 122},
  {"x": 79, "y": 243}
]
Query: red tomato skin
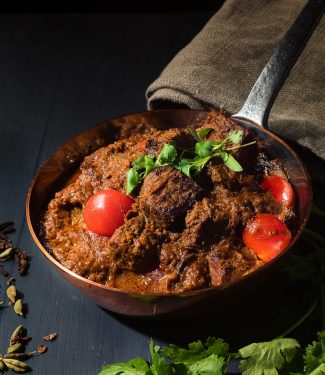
[
  {"x": 280, "y": 188},
  {"x": 104, "y": 212},
  {"x": 267, "y": 235},
  {"x": 142, "y": 145}
]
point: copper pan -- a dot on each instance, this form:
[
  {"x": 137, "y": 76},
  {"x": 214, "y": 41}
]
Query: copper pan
[{"x": 57, "y": 169}]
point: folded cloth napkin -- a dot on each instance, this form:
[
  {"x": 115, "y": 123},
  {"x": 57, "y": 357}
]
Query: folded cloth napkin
[{"x": 220, "y": 65}]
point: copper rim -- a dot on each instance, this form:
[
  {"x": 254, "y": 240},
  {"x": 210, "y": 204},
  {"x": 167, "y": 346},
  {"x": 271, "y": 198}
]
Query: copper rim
[{"x": 183, "y": 294}]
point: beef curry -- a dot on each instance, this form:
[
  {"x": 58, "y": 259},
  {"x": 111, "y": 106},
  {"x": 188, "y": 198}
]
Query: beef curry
[{"x": 182, "y": 232}]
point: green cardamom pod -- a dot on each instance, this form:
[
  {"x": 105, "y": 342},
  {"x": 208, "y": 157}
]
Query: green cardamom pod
[
  {"x": 19, "y": 355},
  {"x": 17, "y": 333},
  {"x": 12, "y": 293},
  {"x": 14, "y": 348},
  {"x": 6, "y": 254},
  {"x": 2, "y": 365},
  {"x": 19, "y": 307},
  {"x": 16, "y": 365}
]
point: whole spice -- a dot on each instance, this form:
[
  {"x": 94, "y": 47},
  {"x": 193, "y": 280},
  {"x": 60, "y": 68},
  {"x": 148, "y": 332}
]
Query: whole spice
[
  {"x": 51, "y": 336},
  {"x": 15, "y": 355},
  {"x": 11, "y": 281},
  {"x": 17, "y": 334},
  {"x": 7, "y": 250},
  {"x": 14, "y": 348},
  {"x": 19, "y": 307},
  {"x": 42, "y": 348},
  {"x": 22, "y": 260},
  {"x": 16, "y": 365},
  {"x": 19, "y": 355},
  {"x": 12, "y": 293},
  {"x": 6, "y": 254}
]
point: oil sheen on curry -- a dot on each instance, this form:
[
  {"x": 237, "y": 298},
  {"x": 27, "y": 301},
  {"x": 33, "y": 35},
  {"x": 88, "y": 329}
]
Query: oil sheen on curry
[{"x": 168, "y": 211}]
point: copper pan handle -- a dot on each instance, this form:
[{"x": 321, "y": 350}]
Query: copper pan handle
[{"x": 259, "y": 101}]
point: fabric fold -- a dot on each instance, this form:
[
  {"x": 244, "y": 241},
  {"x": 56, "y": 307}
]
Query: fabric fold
[{"x": 219, "y": 66}]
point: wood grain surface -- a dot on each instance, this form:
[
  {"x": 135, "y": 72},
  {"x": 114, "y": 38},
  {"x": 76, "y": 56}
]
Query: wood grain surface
[{"x": 60, "y": 74}]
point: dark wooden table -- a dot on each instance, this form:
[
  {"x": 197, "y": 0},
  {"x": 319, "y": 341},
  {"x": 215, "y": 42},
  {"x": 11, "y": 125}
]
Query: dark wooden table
[{"x": 59, "y": 74}]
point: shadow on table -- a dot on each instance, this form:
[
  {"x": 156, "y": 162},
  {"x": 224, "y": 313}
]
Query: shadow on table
[{"x": 261, "y": 316}]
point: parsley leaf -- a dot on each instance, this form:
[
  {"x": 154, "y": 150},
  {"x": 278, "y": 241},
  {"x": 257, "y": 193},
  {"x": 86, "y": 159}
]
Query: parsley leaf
[
  {"x": 212, "y": 365},
  {"x": 159, "y": 364},
  {"x": 204, "y": 132},
  {"x": 266, "y": 358},
  {"x": 194, "y": 134},
  {"x": 236, "y": 136},
  {"x": 231, "y": 162},
  {"x": 149, "y": 164},
  {"x": 315, "y": 354},
  {"x": 204, "y": 149},
  {"x": 320, "y": 370},
  {"x": 166, "y": 156},
  {"x": 196, "y": 351},
  {"x": 185, "y": 167},
  {"x": 172, "y": 156},
  {"x": 135, "y": 366},
  {"x": 132, "y": 180},
  {"x": 210, "y": 358},
  {"x": 139, "y": 163}
]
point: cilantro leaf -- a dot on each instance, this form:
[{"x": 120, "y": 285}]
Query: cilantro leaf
[
  {"x": 320, "y": 370},
  {"x": 172, "y": 156},
  {"x": 236, "y": 136},
  {"x": 231, "y": 162},
  {"x": 199, "y": 163},
  {"x": 139, "y": 163},
  {"x": 166, "y": 156},
  {"x": 204, "y": 132},
  {"x": 266, "y": 358},
  {"x": 212, "y": 365},
  {"x": 135, "y": 366},
  {"x": 159, "y": 364},
  {"x": 196, "y": 351},
  {"x": 204, "y": 149},
  {"x": 194, "y": 134},
  {"x": 185, "y": 167},
  {"x": 132, "y": 180},
  {"x": 149, "y": 164},
  {"x": 315, "y": 354}
]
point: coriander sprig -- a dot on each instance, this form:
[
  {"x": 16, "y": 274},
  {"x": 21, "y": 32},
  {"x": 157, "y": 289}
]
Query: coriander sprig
[{"x": 190, "y": 161}]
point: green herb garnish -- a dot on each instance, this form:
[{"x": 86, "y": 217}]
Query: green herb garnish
[
  {"x": 212, "y": 358},
  {"x": 267, "y": 357},
  {"x": 189, "y": 161}
]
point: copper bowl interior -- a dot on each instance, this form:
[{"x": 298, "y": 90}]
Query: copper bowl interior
[{"x": 57, "y": 169}]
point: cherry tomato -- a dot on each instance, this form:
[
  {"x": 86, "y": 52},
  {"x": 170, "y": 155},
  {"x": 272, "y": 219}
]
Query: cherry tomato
[
  {"x": 280, "y": 188},
  {"x": 104, "y": 212},
  {"x": 267, "y": 236},
  {"x": 142, "y": 145}
]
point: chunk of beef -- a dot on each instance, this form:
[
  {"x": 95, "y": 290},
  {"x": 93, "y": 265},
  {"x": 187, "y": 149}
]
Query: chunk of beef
[
  {"x": 107, "y": 167},
  {"x": 183, "y": 270},
  {"x": 167, "y": 194},
  {"x": 227, "y": 262},
  {"x": 225, "y": 214},
  {"x": 222, "y": 125},
  {"x": 134, "y": 245},
  {"x": 180, "y": 137},
  {"x": 266, "y": 166}
]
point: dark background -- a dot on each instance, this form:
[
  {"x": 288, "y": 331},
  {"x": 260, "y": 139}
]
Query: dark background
[{"x": 59, "y": 74}]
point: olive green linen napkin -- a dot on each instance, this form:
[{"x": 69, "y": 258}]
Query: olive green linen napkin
[{"x": 220, "y": 65}]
